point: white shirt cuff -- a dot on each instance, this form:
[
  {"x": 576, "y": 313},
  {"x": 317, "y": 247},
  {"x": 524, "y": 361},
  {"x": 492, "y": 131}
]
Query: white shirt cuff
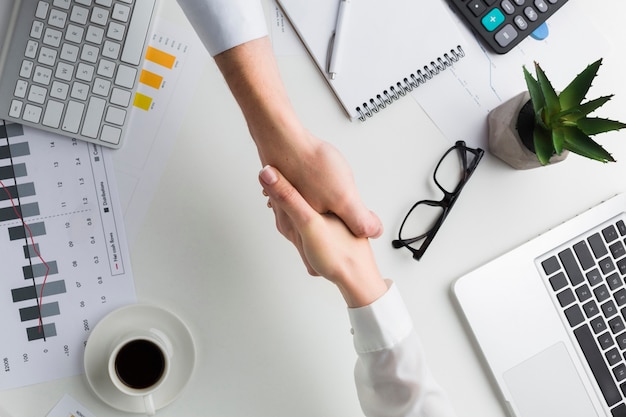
[
  {"x": 224, "y": 24},
  {"x": 382, "y": 324}
]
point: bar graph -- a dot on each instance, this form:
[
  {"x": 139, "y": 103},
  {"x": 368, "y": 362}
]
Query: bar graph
[{"x": 63, "y": 256}]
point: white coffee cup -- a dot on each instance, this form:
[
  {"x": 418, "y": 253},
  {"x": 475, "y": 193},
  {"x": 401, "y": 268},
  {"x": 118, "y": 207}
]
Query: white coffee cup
[{"x": 139, "y": 364}]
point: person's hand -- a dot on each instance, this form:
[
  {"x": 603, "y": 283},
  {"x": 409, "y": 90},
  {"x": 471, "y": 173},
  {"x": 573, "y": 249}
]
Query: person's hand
[
  {"x": 316, "y": 168},
  {"x": 327, "y": 247},
  {"x": 323, "y": 177}
]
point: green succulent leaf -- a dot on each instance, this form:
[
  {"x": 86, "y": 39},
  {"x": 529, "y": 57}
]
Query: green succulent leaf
[
  {"x": 594, "y": 125},
  {"x": 552, "y": 100},
  {"x": 536, "y": 96},
  {"x": 581, "y": 144},
  {"x": 542, "y": 140},
  {"x": 576, "y": 91},
  {"x": 558, "y": 140},
  {"x": 590, "y": 106}
]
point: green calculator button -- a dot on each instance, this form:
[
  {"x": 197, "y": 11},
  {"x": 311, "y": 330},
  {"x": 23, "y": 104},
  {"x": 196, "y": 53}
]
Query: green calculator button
[{"x": 493, "y": 19}]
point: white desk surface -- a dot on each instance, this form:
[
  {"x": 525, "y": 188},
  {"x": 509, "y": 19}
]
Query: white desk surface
[{"x": 273, "y": 341}]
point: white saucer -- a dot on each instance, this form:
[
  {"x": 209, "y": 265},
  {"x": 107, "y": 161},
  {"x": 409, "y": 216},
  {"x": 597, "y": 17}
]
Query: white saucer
[{"x": 121, "y": 321}]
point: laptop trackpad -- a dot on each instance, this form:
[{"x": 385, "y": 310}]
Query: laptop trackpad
[{"x": 548, "y": 385}]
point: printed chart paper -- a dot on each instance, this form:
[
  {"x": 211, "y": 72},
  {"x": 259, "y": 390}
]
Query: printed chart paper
[{"x": 64, "y": 262}]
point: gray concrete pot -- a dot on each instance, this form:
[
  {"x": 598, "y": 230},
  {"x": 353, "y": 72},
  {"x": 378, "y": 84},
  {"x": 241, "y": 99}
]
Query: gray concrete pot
[{"x": 504, "y": 139}]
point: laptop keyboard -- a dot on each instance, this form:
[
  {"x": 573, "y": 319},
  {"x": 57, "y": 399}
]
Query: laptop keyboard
[
  {"x": 588, "y": 282},
  {"x": 73, "y": 65}
]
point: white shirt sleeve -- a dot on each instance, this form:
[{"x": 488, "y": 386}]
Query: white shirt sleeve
[
  {"x": 391, "y": 374},
  {"x": 224, "y": 24}
]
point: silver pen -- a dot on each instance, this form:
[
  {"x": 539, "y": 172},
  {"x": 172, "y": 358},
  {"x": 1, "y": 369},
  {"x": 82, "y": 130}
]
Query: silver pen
[{"x": 338, "y": 41}]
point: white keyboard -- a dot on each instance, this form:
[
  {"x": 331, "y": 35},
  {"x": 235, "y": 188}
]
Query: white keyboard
[{"x": 71, "y": 66}]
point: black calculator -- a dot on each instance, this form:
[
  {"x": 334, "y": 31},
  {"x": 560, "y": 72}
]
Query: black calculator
[{"x": 502, "y": 24}]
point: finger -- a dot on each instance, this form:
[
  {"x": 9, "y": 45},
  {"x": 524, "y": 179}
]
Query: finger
[
  {"x": 285, "y": 197},
  {"x": 286, "y": 228},
  {"x": 361, "y": 221}
]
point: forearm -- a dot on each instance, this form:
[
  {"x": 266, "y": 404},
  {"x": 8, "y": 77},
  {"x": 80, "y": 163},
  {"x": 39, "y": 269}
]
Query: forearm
[{"x": 252, "y": 75}]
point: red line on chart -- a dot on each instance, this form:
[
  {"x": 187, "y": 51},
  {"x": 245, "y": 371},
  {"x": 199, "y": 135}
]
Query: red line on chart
[{"x": 32, "y": 241}]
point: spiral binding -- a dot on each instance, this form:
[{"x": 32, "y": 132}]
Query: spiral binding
[{"x": 421, "y": 76}]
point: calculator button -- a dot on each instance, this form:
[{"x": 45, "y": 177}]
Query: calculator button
[
  {"x": 507, "y": 6},
  {"x": 531, "y": 14},
  {"x": 493, "y": 19},
  {"x": 520, "y": 22},
  {"x": 506, "y": 35},
  {"x": 477, "y": 7},
  {"x": 541, "y": 6}
]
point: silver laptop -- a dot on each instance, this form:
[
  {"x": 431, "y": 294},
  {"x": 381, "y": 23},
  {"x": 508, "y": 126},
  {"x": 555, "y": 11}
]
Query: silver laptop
[
  {"x": 71, "y": 66},
  {"x": 550, "y": 317}
]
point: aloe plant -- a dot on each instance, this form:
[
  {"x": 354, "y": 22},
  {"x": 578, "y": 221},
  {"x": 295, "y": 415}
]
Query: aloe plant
[{"x": 561, "y": 120}]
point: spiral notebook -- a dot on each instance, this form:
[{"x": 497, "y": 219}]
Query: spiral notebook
[{"x": 392, "y": 47}]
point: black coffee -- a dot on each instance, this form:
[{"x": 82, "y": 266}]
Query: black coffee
[{"x": 140, "y": 364}]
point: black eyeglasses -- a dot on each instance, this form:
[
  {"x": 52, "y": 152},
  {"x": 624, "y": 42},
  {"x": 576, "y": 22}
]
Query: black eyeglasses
[{"x": 451, "y": 175}]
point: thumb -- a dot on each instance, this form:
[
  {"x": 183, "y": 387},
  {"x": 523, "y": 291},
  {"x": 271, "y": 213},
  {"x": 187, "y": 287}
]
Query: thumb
[
  {"x": 285, "y": 197},
  {"x": 360, "y": 220}
]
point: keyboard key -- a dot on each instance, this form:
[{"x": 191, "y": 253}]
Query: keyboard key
[
  {"x": 620, "y": 372},
  {"x": 16, "y": 108},
  {"x": 122, "y": 98},
  {"x": 621, "y": 265},
  {"x": 617, "y": 250},
  {"x": 32, "y": 113},
  {"x": 37, "y": 94},
  {"x": 621, "y": 226},
  {"x": 614, "y": 281},
  {"x": 597, "y": 245},
  {"x": 620, "y": 297},
  {"x": 110, "y": 134},
  {"x": 59, "y": 90},
  {"x": 591, "y": 309},
  {"x": 571, "y": 267},
  {"x": 602, "y": 293},
  {"x": 26, "y": 69},
  {"x": 20, "y": 89},
  {"x": 73, "y": 116},
  {"x": 558, "y": 282},
  {"x": 598, "y": 366},
  {"x": 598, "y": 324},
  {"x": 125, "y": 76},
  {"x": 605, "y": 341},
  {"x": 620, "y": 410},
  {"x": 584, "y": 255},
  {"x": 53, "y": 113},
  {"x": 606, "y": 265},
  {"x": 616, "y": 324},
  {"x": 93, "y": 117},
  {"x": 583, "y": 293},
  {"x": 115, "y": 116},
  {"x": 609, "y": 233},
  {"x": 566, "y": 297},
  {"x": 574, "y": 315},
  {"x": 99, "y": 16},
  {"x": 613, "y": 356},
  {"x": 609, "y": 309},
  {"x": 551, "y": 265},
  {"x": 621, "y": 340},
  {"x": 594, "y": 277},
  {"x": 137, "y": 30}
]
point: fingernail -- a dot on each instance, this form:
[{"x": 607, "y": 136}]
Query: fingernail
[{"x": 268, "y": 175}]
